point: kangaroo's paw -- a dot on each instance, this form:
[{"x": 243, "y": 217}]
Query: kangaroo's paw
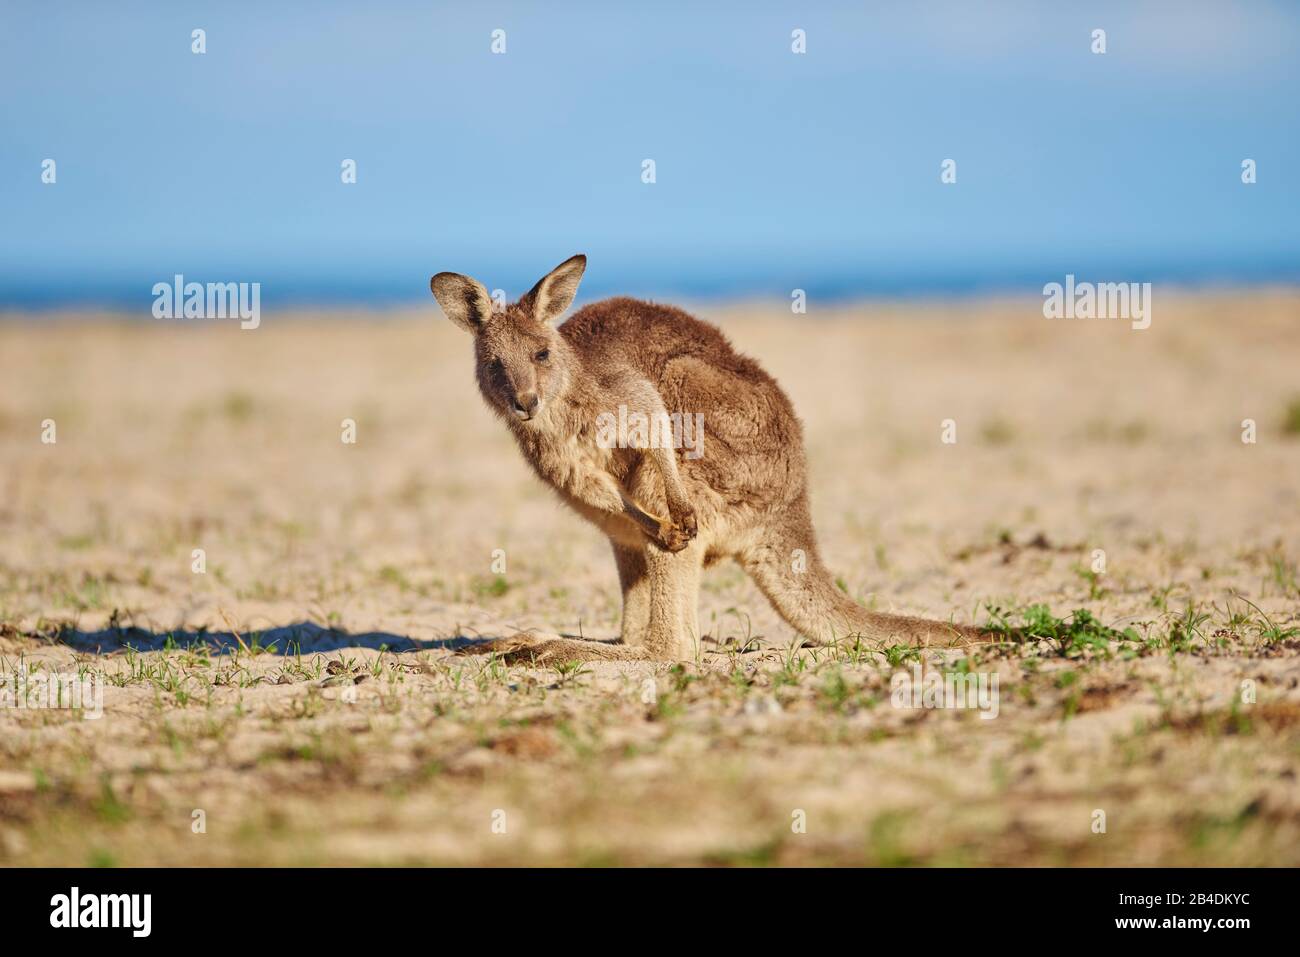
[
  {"x": 684, "y": 518},
  {"x": 674, "y": 536}
]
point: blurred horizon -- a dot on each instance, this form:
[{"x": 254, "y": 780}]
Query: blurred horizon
[{"x": 774, "y": 170}]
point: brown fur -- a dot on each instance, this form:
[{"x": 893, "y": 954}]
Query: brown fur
[{"x": 667, "y": 515}]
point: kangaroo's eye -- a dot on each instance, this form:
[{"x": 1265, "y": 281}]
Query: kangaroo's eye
[{"x": 543, "y": 355}]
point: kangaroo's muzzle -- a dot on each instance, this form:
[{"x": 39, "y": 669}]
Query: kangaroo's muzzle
[{"x": 526, "y": 405}]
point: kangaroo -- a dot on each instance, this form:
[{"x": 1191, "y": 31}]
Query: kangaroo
[{"x": 740, "y": 491}]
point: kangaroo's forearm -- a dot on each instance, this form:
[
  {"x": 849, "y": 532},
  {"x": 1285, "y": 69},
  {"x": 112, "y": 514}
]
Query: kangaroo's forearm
[
  {"x": 604, "y": 501},
  {"x": 674, "y": 491}
]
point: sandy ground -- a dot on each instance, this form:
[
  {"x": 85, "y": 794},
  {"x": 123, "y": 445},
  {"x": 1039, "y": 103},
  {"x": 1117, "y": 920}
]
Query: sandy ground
[{"x": 299, "y": 700}]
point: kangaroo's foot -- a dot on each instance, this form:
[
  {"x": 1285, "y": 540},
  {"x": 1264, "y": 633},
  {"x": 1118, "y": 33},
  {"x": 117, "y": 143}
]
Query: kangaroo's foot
[{"x": 529, "y": 649}]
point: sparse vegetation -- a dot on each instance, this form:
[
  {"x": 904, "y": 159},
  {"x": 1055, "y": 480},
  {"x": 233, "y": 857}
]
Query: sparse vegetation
[
  {"x": 1291, "y": 418},
  {"x": 997, "y": 431},
  {"x": 1076, "y": 635}
]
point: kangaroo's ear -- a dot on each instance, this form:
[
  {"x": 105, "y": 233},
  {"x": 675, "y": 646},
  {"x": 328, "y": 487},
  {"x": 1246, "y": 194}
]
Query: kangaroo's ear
[
  {"x": 465, "y": 301},
  {"x": 554, "y": 292}
]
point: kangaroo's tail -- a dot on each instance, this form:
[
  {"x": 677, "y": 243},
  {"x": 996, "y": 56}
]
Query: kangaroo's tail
[{"x": 788, "y": 570}]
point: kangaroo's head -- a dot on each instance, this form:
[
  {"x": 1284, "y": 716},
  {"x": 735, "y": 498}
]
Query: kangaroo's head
[{"x": 522, "y": 363}]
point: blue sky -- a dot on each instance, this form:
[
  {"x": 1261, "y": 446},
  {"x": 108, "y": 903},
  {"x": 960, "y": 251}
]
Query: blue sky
[{"x": 774, "y": 170}]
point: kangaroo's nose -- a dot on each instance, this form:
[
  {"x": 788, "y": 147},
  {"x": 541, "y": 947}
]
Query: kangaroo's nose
[{"x": 526, "y": 404}]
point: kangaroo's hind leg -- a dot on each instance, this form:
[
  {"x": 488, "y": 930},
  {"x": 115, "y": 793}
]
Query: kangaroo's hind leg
[
  {"x": 634, "y": 580},
  {"x": 674, "y": 633},
  {"x": 661, "y": 597}
]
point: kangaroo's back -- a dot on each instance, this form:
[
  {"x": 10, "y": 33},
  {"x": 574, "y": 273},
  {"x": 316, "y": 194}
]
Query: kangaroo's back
[
  {"x": 753, "y": 439},
  {"x": 648, "y": 336}
]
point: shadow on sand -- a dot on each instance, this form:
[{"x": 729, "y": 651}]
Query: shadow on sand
[{"x": 304, "y": 637}]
